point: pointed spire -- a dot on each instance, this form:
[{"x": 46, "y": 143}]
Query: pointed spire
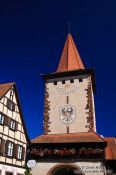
[{"x": 70, "y": 58}]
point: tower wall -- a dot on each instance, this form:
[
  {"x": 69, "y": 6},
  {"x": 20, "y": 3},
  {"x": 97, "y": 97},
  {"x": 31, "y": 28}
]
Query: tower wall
[{"x": 62, "y": 93}]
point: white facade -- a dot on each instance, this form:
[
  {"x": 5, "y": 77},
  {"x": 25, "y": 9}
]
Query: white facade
[
  {"x": 11, "y": 169},
  {"x": 13, "y": 138}
]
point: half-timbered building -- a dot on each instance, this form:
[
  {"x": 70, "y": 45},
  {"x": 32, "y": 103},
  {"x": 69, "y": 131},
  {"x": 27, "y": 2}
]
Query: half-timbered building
[
  {"x": 70, "y": 144},
  {"x": 13, "y": 135}
]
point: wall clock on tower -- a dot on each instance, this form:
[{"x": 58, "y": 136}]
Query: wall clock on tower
[{"x": 67, "y": 114}]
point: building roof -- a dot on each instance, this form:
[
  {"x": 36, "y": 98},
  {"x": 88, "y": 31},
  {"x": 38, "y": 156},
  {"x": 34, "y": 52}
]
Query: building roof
[
  {"x": 110, "y": 150},
  {"x": 83, "y": 137},
  {"x": 4, "y": 88},
  {"x": 70, "y": 58}
]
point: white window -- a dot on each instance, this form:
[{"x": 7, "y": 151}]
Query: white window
[
  {"x": 20, "y": 149},
  {"x": 12, "y": 124},
  {"x": 11, "y": 95},
  {"x": 1, "y": 118},
  {"x": 10, "y": 149}
]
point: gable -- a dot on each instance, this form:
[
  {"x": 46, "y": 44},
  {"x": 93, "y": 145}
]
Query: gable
[{"x": 9, "y": 99}]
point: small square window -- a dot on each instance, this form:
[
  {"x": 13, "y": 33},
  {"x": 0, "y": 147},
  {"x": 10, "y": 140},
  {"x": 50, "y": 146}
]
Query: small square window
[
  {"x": 10, "y": 105},
  {"x": 63, "y": 81},
  {"x": 80, "y": 80},
  {"x": 55, "y": 82},
  {"x": 1, "y": 118},
  {"x": 72, "y": 81},
  {"x": 12, "y": 125}
]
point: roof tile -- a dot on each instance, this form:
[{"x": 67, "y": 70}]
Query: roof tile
[
  {"x": 68, "y": 138},
  {"x": 70, "y": 58},
  {"x": 4, "y": 88}
]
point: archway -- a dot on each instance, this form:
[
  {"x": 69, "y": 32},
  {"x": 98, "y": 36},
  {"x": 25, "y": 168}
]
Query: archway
[{"x": 65, "y": 170}]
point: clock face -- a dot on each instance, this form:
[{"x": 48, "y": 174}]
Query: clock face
[
  {"x": 67, "y": 90},
  {"x": 67, "y": 114}
]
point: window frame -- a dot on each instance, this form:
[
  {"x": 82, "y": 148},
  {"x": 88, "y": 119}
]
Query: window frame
[
  {"x": 10, "y": 105},
  {"x": 11, "y": 94},
  {"x": 7, "y": 149},
  {"x": 14, "y": 126},
  {"x": 19, "y": 158},
  {"x": 2, "y": 115}
]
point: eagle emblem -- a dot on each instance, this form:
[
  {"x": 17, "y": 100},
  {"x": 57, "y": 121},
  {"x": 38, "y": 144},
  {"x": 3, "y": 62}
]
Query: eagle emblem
[{"x": 67, "y": 114}]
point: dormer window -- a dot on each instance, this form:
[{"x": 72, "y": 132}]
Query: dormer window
[
  {"x": 12, "y": 125},
  {"x": 10, "y": 105},
  {"x": 10, "y": 149},
  {"x": 1, "y": 118},
  {"x": 19, "y": 153}
]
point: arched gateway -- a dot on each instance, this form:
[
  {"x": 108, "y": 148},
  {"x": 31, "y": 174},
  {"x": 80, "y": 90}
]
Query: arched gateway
[{"x": 65, "y": 170}]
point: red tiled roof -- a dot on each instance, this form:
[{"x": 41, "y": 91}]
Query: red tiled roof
[
  {"x": 83, "y": 137},
  {"x": 70, "y": 58},
  {"x": 110, "y": 150},
  {"x": 4, "y": 88}
]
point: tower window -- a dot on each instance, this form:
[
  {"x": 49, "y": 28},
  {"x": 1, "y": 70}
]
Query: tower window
[
  {"x": 71, "y": 81},
  {"x": 1, "y": 118},
  {"x": 19, "y": 152},
  {"x": 80, "y": 80},
  {"x": 10, "y": 149},
  {"x": 63, "y": 81},
  {"x": 55, "y": 82}
]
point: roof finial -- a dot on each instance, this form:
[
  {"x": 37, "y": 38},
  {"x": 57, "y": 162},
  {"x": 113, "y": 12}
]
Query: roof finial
[
  {"x": 70, "y": 59},
  {"x": 69, "y": 26}
]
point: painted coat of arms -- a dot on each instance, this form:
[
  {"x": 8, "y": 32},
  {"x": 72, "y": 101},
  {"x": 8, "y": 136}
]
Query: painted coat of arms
[{"x": 67, "y": 114}]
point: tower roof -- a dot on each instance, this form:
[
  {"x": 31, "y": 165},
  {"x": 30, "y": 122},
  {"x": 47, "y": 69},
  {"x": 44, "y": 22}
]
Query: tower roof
[{"x": 70, "y": 58}]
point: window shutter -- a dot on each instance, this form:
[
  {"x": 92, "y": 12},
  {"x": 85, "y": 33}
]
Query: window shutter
[
  {"x": 9, "y": 120},
  {"x": 6, "y": 147},
  {"x": 15, "y": 150},
  {"x": 6, "y": 120},
  {"x": 23, "y": 153},
  {"x": 13, "y": 108},
  {"x": 2, "y": 147},
  {"x": 16, "y": 126},
  {"x": 7, "y": 103}
]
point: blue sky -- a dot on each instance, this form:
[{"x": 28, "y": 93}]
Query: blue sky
[{"x": 32, "y": 36}]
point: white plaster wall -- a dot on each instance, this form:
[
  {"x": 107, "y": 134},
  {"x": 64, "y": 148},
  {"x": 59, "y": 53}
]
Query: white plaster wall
[{"x": 88, "y": 168}]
